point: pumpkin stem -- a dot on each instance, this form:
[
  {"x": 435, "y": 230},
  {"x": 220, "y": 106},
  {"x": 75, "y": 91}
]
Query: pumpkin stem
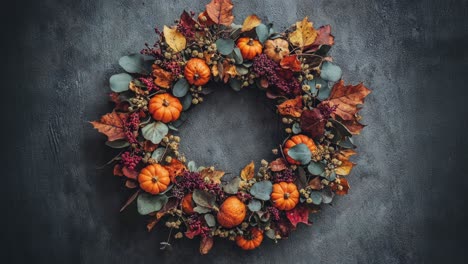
[
  {"x": 250, "y": 43},
  {"x": 165, "y": 103},
  {"x": 154, "y": 179},
  {"x": 277, "y": 49},
  {"x": 286, "y": 196},
  {"x": 196, "y": 76}
]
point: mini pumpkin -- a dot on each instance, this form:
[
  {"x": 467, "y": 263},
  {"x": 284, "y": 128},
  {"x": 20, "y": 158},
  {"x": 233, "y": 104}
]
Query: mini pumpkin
[
  {"x": 154, "y": 179},
  {"x": 295, "y": 140},
  {"x": 197, "y": 72},
  {"x": 188, "y": 204},
  {"x": 284, "y": 195},
  {"x": 276, "y": 49},
  {"x": 249, "y": 47},
  {"x": 250, "y": 240},
  {"x": 165, "y": 107},
  {"x": 231, "y": 212}
]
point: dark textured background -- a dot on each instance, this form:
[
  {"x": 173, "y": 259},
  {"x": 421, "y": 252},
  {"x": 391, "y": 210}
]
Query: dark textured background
[{"x": 407, "y": 203}]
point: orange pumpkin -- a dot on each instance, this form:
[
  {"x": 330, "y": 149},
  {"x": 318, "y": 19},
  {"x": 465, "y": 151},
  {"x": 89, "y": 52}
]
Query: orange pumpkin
[
  {"x": 295, "y": 140},
  {"x": 250, "y": 240},
  {"x": 165, "y": 108},
  {"x": 276, "y": 49},
  {"x": 231, "y": 212},
  {"x": 154, "y": 179},
  {"x": 249, "y": 47},
  {"x": 187, "y": 204},
  {"x": 284, "y": 195},
  {"x": 197, "y": 72}
]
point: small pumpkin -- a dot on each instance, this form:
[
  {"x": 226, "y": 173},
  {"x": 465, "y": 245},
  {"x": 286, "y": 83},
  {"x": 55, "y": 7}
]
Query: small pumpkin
[
  {"x": 231, "y": 212},
  {"x": 285, "y": 195},
  {"x": 250, "y": 240},
  {"x": 197, "y": 72},
  {"x": 154, "y": 179},
  {"x": 276, "y": 49},
  {"x": 188, "y": 204},
  {"x": 249, "y": 47},
  {"x": 165, "y": 107},
  {"x": 295, "y": 140}
]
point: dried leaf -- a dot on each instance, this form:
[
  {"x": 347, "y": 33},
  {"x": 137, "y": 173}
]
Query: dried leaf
[
  {"x": 133, "y": 87},
  {"x": 111, "y": 125},
  {"x": 316, "y": 183},
  {"x": 118, "y": 170},
  {"x": 353, "y": 126},
  {"x": 131, "y": 184},
  {"x": 175, "y": 168},
  {"x": 149, "y": 146},
  {"x": 347, "y": 99},
  {"x": 278, "y": 164},
  {"x": 215, "y": 70},
  {"x": 251, "y": 22},
  {"x": 229, "y": 71},
  {"x": 186, "y": 20},
  {"x": 214, "y": 175},
  {"x": 300, "y": 214},
  {"x": 313, "y": 123},
  {"x": 220, "y": 12},
  {"x": 248, "y": 171},
  {"x": 324, "y": 37},
  {"x": 291, "y": 107},
  {"x": 340, "y": 188},
  {"x": 304, "y": 35},
  {"x": 291, "y": 62},
  {"x": 174, "y": 39},
  {"x": 163, "y": 78},
  {"x": 131, "y": 174},
  {"x": 346, "y": 165},
  {"x": 204, "y": 19},
  {"x": 206, "y": 244}
]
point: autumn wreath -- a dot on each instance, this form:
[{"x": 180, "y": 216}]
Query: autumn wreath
[{"x": 319, "y": 111}]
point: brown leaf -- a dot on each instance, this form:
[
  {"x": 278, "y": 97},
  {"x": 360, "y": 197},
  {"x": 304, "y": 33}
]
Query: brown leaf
[
  {"x": 324, "y": 37},
  {"x": 174, "y": 39},
  {"x": 118, "y": 170},
  {"x": 220, "y": 12},
  {"x": 111, "y": 125},
  {"x": 248, "y": 171},
  {"x": 162, "y": 78},
  {"x": 206, "y": 244},
  {"x": 346, "y": 99},
  {"x": 340, "y": 188},
  {"x": 251, "y": 22},
  {"x": 353, "y": 126},
  {"x": 316, "y": 184},
  {"x": 214, "y": 175},
  {"x": 291, "y": 107},
  {"x": 215, "y": 70},
  {"x": 313, "y": 123},
  {"x": 229, "y": 71},
  {"x": 304, "y": 35},
  {"x": 176, "y": 168},
  {"x": 131, "y": 184},
  {"x": 131, "y": 174},
  {"x": 149, "y": 146},
  {"x": 204, "y": 19},
  {"x": 291, "y": 62},
  {"x": 186, "y": 20},
  {"x": 346, "y": 165},
  {"x": 278, "y": 164},
  {"x": 133, "y": 87},
  {"x": 130, "y": 200}
]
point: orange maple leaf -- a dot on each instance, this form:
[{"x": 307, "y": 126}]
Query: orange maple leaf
[
  {"x": 347, "y": 98},
  {"x": 162, "y": 78},
  {"x": 175, "y": 168},
  {"x": 291, "y": 107},
  {"x": 220, "y": 12},
  {"x": 111, "y": 125},
  {"x": 291, "y": 62}
]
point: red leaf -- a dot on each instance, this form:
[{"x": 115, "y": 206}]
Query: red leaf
[
  {"x": 118, "y": 170},
  {"x": 186, "y": 20},
  {"x": 291, "y": 107},
  {"x": 131, "y": 184},
  {"x": 324, "y": 37},
  {"x": 300, "y": 214},
  {"x": 132, "y": 174},
  {"x": 111, "y": 125},
  {"x": 278, "y": 164},
  {"x": 206, "y": 244},
  {"x": 291, "y": 62},
  {"x": 313, "y": 123}
]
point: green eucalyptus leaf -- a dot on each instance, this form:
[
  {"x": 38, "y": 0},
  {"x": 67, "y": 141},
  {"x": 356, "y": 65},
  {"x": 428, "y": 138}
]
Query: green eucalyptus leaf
[
  {"x": 155, "y": 132},
  {"x": 235, "y": 84},
  {"x": 186, "y": 101},
  {"x": 300, "y": 153},
  {"x": 117, "y": 144},
  {"x": 210, "y": 220},
  {"x": 296, "y": 128},
  {"x": 316, "y": 168},
  {"x": 203, "y": 198},
  {"x": 263, "y": 32},
  {"x": 270, "y": 233},
  {"x": 201, "y": 209},
  {"x": 180, "y": 121},
  {"x": 262, "y": 190},
  {"x": 225, "y": 46},
  {"x": 147, "y": 203},
  {"x": 316, "y": 197},
  {"x": 347, "y": 143},
  {"x": 119, "y": 82},
  {"x": 134, "y": 63},
  {"x": 332, "y": 176},
  {"x": 237, "y": 55},
  {"x": 232, "y": 186},
  {"x": 192, "y": 166},
  {"x": 180, "y": 88},
  {"x": 242, "y": 70},
  {"x": 327, "y": 195},
  {"x": 330, "y": 72},
  {"x": 158, "y": 154},
  {"x": 255, "y": 205}
]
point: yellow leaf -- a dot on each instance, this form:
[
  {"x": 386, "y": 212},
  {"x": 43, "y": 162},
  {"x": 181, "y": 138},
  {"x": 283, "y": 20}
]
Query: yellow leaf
[
  {"x": 345, "y": 168},
  {"x": 247, "y": 173},
  {"x": 304, "y": 35},
  {"x": 214, "y": 70},
  {"x": 174, "y": 39},
  {"x": 214, "y": 175},
  {"x": 250, "y": 22}
]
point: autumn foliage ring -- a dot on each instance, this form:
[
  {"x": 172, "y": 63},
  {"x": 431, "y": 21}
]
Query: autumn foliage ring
[{"x": 167, "y": 79}]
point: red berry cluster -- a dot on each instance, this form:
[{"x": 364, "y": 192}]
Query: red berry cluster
[
  {"x": 173, "y": 67},
  {"x": 286, "y": 175},
  {"x": 149, "y": 83},
  {"x": 274, "y": 213},
  {"x": 130, "y": 160},
  {"x": 197, "y": 226}
]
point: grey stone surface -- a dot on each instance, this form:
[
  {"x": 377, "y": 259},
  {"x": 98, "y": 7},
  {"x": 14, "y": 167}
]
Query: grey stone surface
[{"x": 407, "y": 202}]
